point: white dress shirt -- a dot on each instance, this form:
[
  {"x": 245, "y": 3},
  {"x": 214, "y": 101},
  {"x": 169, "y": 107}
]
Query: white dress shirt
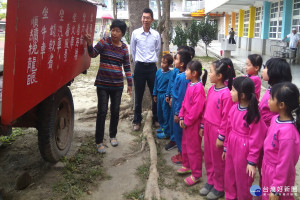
[
  {"x": 293, "y": 40},
  {"x": 145, "y": 46}
]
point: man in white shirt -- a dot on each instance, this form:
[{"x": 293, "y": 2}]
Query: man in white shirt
[
  {"x": 294, "y": 40},
  {"x": 144, "y": 47}
]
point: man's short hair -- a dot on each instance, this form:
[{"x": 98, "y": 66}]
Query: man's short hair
[
  {"x": 120, "y": 24},
  {"x": 148, "y": 10}
]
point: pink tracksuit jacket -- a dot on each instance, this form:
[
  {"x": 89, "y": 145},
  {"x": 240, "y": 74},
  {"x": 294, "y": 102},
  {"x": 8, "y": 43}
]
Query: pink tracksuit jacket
[
  {"x": 218, "y": 104},
  {"x": 191, "y": 112},
  {"x": 257, "y": 83},
  {"x": 266, "y": 114},
  {"x": 242, "y": 145},
  {"x": 281, "y": 154}
]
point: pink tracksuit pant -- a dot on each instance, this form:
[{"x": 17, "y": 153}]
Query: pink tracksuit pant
[
  {"x": 191, "y": 149},
  {"x": 238, "y": 182},
  {"x": 214, "y": 165}
]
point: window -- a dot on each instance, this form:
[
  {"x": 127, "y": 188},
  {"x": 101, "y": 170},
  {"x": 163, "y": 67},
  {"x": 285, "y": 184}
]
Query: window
[
  {"x": 258, "y": 14},
  {"x": 281, "y": 9},
  {"x": 296, "y": 7},
  {"x": 273, "y": 29},
  {"x": 274, "y": 10},
  {"x": 279, "y": 29},
  {"x": 257, "y": 29},
  {"x": 258, "y": 22},
  {"x": 276, "y": 20},
  {"x": 122, "y": 5},
  {"x": 173, "y": 6},
  {"x": 191, "y": 5},
  {"x": 296, "y": 24},
  {"x": 246, "y": 23},
  {"x": 153, "y": 5}
]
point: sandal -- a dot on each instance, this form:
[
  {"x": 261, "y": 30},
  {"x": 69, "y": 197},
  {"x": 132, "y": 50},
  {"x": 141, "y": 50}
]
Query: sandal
[
  {"x": 191, "y": 180},
  {"x": 101, "y": 148},
  {"x": 113, "y": 142},
  {"x": 184, "y": 170}
]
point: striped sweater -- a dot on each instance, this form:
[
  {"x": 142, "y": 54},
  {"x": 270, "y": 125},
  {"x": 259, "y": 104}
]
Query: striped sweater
[{"x": 111, "y": 60}]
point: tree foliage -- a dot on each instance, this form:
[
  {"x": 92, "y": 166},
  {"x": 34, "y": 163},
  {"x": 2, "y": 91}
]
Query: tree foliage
[
  {"x": 207, "y": 31},
  {"x": 193, "y": 34},
  {"x": 180, "y": 38}
]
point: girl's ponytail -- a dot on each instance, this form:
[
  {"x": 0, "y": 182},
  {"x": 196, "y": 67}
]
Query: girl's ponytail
[
  {"x": 245, "y": 86},
  {"x": 252, "y": 110},
  {"x": 231, "y": 75},
  {"x": 204, "y": 77}
]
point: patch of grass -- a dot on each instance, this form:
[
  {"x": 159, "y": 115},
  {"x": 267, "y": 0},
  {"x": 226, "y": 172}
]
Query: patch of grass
[
  {"x": 144, "y": 170},
  {"x": 6, "y": 140},
  {"x": 80, "y": 171},
  {"x": 206, "y": 58},
  {"x": 136, "y": 194}
]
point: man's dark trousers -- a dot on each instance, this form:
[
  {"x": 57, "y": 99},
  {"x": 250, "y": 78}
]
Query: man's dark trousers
[{"x": 143, "y": 72}]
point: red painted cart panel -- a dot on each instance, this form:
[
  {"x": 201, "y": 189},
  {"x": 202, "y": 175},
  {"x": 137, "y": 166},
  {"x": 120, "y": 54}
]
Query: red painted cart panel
[{"x": 43, "y": 50}]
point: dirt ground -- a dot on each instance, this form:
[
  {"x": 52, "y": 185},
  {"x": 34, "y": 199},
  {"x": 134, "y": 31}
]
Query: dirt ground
[{"x": 122, "y": 176}]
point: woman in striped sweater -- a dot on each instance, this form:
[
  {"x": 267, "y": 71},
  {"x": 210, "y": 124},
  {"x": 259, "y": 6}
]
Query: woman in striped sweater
[{"x": 109, "y": 81}]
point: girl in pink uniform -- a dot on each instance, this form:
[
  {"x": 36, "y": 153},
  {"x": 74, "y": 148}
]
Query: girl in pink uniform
[
  {"x": 246, "y": 133},
  {"x": 282, "y": 144},
  {"x": 218, "y": 104},
  {"x": 190, "y": 116},
  {"x": 276, "y": 70},
  {"x": 253, "y": 65}
]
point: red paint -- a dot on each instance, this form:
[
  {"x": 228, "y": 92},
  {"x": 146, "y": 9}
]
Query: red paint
[{"x": 24, "y": 19}]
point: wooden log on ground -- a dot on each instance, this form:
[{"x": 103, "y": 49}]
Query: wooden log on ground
[{"x": 152, "y": 189}]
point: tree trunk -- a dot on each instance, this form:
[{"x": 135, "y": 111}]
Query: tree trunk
[
  {"x": 135, "y": 11},
  {"x": 166, "y": 36},
  {"x": 206, "y": 50},
  {"x": 160, "y": 28},
  {"x": 115, "y": 9}
]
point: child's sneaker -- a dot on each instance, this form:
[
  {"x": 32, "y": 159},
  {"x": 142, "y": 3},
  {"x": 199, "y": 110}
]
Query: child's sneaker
[
  {"x": 206, "y": 189},
  {"x": 184, "y": 170},
  {"x": 161, "y": 135},
  {"x": 160, "y": 130},
  {"x": 191, "y": 180},
  {"x": 214, "y": 194},
  {"x": 171, "y": 145},
  {"x": 177, "y": 159}
]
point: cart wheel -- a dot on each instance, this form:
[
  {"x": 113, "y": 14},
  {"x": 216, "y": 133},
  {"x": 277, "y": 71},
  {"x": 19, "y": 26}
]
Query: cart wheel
[{"x": 56, "y": 125}]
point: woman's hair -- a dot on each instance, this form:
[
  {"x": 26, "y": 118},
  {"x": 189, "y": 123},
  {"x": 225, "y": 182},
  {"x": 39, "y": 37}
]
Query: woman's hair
[
  {"x": 289, "y": 94},
  {"x": 244, "y": 85},
  {"x": 169, "y": 58},
  {"x": 278, "y": 71},
  {"x": 227, "y": 71},
  {"x": 185, "y": 57},
  {"x": 197, "y": 66},
  {"x": 256, "y": 60},
  {"x": 120, "y": 24}
]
